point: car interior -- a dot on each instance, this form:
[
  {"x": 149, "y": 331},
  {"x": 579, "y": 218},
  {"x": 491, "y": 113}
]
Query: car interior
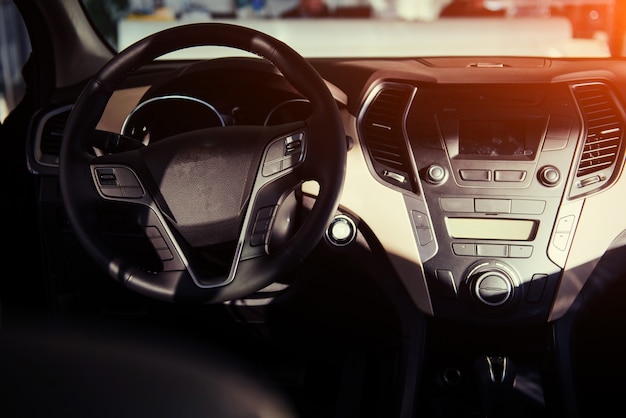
[{"x": 277, "y": 234}]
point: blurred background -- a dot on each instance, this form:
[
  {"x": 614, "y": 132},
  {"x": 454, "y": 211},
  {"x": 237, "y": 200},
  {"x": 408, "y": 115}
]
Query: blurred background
[{"x": 123, "y": 21}]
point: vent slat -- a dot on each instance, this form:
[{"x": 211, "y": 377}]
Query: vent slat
[
  {"x": 598, "y": 155},
  {"x": 596, "y": 161},
  {"x": 602, "y": 143},
  {"x": 605, "y": 119},
  {"x": 602, "y": 150}
]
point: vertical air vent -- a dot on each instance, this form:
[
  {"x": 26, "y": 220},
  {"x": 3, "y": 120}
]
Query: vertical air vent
[
  {"x": 382, "y": 129},
  {"x": 604, "y": 130},
  {"x": 44, "y": 141},
  {"x": 51, "y": 134}
]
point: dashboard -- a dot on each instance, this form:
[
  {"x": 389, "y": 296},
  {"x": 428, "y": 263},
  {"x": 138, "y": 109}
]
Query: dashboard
[{"x": 490, "y": 196}]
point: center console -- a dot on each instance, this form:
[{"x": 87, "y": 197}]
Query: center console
[
  {"x": 493, "y": 177},
  {"x": 494, "y": 164}
]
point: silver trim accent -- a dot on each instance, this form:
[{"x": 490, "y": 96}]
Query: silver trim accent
[
  {"x": 491, "y": 373},
  {"x": 349, "y": 238},
  {"x": 611, "y": 172},
  {"x": 39, "y": 158},
  {"x": 361, "y": 115},
  {"x": 170, "y": 97},
  {"x": 281, "y": 104}
]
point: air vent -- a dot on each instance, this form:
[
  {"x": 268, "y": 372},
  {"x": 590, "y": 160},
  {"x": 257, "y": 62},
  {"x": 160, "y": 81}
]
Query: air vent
[
  {"x": 605, "y": 129},
  {"x": 51, "y": 134},
  {"x": 382, "y": 128},
  {"x": 44, "y": 141}
]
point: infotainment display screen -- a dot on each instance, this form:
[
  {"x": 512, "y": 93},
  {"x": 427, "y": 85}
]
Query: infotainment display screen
[
  {"x": 500, "y": 137},
  {"x": 496, "y": 138}
]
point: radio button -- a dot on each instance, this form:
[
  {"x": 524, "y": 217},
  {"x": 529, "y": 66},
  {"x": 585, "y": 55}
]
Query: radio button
[
  {"x": 528, "y": 207},
  {"x": 420, "y": 219},
  {"x": 560, "y": 240},
  {"x": 510, "y": 175},
  {"x": 422, "y": 226},
  {"x": 457, "y": 204},
  {"x": 463, "y": 249},
  {"x": 475, "y": 175},
  {"x": 520, "y": 251},
  {"x": 492, "y": 250},
  {"x": 493, "y": 205},
  {"x": 424, "y": 236},
  {"x": 565, "y": 224}
]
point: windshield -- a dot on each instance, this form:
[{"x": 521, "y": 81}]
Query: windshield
[{"x": 386, "y": 28}]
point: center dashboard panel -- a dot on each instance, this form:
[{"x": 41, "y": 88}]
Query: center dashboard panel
[{"x": 493, "y": 166}]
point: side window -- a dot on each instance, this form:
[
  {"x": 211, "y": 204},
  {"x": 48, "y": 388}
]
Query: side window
[{"x": 14, "y": 51}]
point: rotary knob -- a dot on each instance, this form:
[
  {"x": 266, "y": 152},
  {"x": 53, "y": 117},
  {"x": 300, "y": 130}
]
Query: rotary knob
[
  {"x": 549, "y": 176},
  {"x": 492, "y": 283},
  {"x": 436, "y": 174},
  {"x": 493, "y": 288}
]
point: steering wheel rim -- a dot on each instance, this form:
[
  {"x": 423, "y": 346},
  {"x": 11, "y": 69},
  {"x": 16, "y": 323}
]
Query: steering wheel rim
[{"x": 84, "y": 176}]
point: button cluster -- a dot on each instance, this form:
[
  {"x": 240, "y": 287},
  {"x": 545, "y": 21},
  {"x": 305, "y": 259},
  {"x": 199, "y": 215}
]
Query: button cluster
[
  {"x": 492, "y": 250},
  {"x": 496, "y": 175},
  {"x": 158, "y": 243},
  {"x": 563, "y": 229},
  {"x": 422, "y": 227},
  {"x": 118, "y": 182},
  {"x": 261, "y": 226},
  {"x": 283, "y": 153},
  {"x": 483, "y": 205}
]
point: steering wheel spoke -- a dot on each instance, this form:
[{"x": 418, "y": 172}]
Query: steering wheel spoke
[{"x": 272, "y": 215}]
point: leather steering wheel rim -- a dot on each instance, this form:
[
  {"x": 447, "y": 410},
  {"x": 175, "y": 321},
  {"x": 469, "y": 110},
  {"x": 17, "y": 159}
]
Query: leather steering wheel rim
[{"x": 85, "y": 178}]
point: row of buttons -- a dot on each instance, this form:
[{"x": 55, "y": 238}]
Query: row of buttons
[
  {"x": 479, "y": 205},
  {"x": 498, "y": 175},
  {"x": 492, "y": 250}
]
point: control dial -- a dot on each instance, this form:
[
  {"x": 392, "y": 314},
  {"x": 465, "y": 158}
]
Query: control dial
[
  {"x": 549, "y": 176},
  {"x": 492, "y": 283},
  {"x": 436, "y": 174},
  {"x": 493, "y": 288}
]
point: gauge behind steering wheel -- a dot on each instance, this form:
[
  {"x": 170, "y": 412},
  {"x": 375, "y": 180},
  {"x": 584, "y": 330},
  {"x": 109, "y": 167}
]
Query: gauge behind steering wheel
[{"x": 194, "y": 194}]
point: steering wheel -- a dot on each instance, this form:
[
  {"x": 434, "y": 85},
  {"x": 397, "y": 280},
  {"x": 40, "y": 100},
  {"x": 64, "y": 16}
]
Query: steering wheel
[{"x": 208, "y": 215}]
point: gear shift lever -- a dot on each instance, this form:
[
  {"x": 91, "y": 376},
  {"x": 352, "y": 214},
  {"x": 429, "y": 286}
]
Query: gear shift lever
[{"x": 495, "y": 376}]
